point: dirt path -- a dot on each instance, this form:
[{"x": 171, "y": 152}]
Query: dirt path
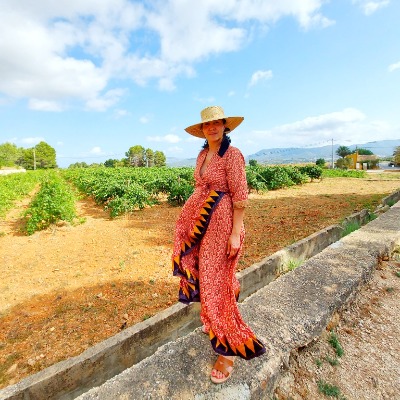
[
  {"x": 58, "y": 286},
  {"x": 368, "y": 331}
]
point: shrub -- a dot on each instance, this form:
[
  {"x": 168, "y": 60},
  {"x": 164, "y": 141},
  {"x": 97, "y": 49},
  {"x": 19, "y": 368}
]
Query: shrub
[
  {"x": 54, "y": 202},
  {"x": 179, "y": 192},
  {"x": 313, "y": 171}
]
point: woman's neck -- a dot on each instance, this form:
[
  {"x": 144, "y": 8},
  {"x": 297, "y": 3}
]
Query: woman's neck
[{"x": 213, "y": 147}]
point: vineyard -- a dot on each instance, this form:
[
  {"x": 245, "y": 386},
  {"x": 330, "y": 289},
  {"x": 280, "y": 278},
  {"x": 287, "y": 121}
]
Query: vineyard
[{"x": 123, "y": 190}]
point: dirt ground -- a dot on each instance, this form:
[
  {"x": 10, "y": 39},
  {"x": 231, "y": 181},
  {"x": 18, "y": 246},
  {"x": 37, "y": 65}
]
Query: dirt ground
[{"x": 61, "y": 285}]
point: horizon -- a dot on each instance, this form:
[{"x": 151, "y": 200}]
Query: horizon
[{"x": 93, "y": 80}]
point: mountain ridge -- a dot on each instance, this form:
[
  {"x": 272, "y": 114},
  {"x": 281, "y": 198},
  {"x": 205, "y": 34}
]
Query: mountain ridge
[{"x": 287, "y": 155}]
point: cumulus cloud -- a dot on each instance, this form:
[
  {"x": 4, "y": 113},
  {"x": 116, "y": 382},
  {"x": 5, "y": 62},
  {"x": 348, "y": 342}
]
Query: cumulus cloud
[
  {"x": 58, "y": 53},
  {"x": 393, "y": 67},
  {"x": 370, "y": 6},
  {"x": 96, "y": 151},
  {"x": 260, "y": 76},
  {"x": 343, "y": 125},
  {"x": 44, "y": 105},
  {"x": 166, "y": 139}
]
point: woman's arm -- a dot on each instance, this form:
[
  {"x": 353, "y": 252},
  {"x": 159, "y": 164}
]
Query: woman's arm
[{"x": 234, "y": 239}]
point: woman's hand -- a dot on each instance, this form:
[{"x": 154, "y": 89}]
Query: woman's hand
[{"x": 233, "y": 245}]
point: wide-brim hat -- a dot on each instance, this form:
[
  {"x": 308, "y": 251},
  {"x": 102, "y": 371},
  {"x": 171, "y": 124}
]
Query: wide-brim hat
[{"x": 213, "y": 113}]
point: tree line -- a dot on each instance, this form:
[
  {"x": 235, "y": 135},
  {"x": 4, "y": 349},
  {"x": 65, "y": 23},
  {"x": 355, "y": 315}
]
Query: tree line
[
  {"x": 136, "y": 156},
  {"x": 41, "y": 156}
]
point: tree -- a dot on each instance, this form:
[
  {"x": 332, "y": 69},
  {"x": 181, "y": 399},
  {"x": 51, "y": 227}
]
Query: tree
[
  {"x": 396, "y": 155},
  {"x": 343, "y": 163},
  {"x": 149, "y": 157},
  {"x": 320, "y": 162},
  {"x": 112, "y": 163},
  {"x": 78, "y": 165},
  {"x": 159, "y": 159},
  {"x": 343, "y": 151},
  {"x": 253, "y": 163},
  {"x": 364, "y": 152},
  {"x": 42, "y": 156},
  {"x": 9, "y": 154},
  {"x": 45, "y": 156},
  {"x": 136, "y": 156}
]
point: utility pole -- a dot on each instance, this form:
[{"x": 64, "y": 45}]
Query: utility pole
[
  {"x": 332, "y": 154},
  {"x": 34, "y": 158}
]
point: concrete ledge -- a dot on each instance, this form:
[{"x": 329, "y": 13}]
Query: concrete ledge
[
  {"x": 68, "y": 379},
  {"x": 287, "y": 314}
]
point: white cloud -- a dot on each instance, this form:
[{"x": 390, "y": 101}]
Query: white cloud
[
  {"x": 103, "y": 102},
  {"x": 120, "y": 113},
  {"x": 341, "y": 125},
  {"x": 144, "y": 119},
  {"x": 393, "y": 67},
  {"x": 166, "y": 139},
  {"x": 96, "y": 150},
  {"x": 370, "y": 6},
  {"x": 60, "y": 143},
  {"x": 260, "y": 76},
  {"x": 57, "y": 53},
  {"x": 32, "y": 140},
  {"x": 44, "y": 105}
]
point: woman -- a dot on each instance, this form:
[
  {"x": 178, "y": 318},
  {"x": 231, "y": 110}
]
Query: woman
[{"x": 208, "y": 241}]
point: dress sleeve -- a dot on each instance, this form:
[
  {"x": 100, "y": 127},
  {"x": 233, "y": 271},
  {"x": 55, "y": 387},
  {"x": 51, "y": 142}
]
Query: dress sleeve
[{"x": 236, "y": 177}]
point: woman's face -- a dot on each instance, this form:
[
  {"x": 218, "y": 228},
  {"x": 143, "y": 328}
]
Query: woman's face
[{"x": 213, "y": 130}]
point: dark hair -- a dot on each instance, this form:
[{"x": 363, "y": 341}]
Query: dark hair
[{"x": 225, "y": 139}]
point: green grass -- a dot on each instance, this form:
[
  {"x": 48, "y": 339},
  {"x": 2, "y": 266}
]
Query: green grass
[
  {"x": 350, "y": 227},
  {"x": 334, "y": 342},
  {"x": 343, "y": 173},
  {"x": 332, "y": 361},
  {"x": 329, "y": 390},
  {"x": 390, "y": 203},
  {"x": 293, "y": 264}
]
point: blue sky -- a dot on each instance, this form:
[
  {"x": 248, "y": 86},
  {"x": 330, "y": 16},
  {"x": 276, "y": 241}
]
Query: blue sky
[{"x": 93, "y": 78}]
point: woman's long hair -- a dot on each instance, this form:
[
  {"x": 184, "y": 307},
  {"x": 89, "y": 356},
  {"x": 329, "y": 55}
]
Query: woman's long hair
[{"x": 225, "y": 139}]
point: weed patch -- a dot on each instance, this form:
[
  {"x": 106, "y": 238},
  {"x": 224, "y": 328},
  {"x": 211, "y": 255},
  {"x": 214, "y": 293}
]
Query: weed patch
[
  {"x": 329, "y": 390},
  {"x": 334, "y": 342},
  {"x": 349, "y": 228}
]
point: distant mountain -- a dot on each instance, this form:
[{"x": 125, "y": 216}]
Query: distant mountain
[
  {"x": 382, "y": 148},
  {"x": 180, "y": 162}
]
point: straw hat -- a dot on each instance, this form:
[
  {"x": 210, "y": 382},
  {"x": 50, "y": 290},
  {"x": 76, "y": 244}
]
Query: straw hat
[{"x": 211, "y": 114}]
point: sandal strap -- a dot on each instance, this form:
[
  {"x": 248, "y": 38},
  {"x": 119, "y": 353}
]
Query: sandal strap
[{"x": 222, "y": 364}]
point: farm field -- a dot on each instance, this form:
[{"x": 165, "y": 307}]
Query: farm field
[{"x": 68, "y": 287}]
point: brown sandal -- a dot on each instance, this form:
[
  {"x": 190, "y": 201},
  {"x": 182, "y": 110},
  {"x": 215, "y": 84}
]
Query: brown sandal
[{"x": 224, "y": 365}]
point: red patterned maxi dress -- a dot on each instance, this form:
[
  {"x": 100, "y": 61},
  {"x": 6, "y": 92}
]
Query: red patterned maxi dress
[{"x": 199, "y": 257}]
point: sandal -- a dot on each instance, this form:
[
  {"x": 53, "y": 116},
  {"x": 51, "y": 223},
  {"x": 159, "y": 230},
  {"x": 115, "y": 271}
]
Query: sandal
[{"x": 224, "y": 365}]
